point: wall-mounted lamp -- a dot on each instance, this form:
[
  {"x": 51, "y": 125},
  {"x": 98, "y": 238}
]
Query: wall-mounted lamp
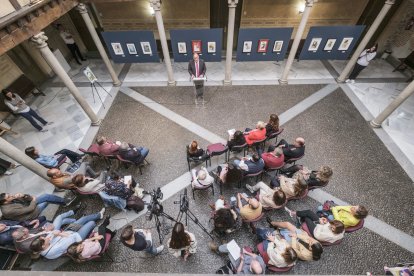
[{"x": 301, "y": 8}]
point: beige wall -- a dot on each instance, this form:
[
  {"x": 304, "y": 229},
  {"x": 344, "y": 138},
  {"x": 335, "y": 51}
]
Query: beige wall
[
  {"x": 285, "y": 13},
  {"x": 5, "y": 8},
  {"x": 9, "y": 71}
]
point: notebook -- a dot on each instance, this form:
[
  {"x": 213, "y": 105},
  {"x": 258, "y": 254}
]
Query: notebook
[{"x": 234, "y": 249}]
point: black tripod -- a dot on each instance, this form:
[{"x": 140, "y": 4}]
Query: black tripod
[
  {"x": 93, "y": 86},
  {"x": 160, "y": 226}
]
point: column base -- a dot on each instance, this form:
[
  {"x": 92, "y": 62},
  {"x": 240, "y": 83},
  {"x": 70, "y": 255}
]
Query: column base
[
  {"x": 117, "y": 83},
  {"x": 172, "y": 83},
  {"x": 97, "y": 123},
  {"x": 227, "y": 82},
  {"x": 375, "y": 124},
  {"x": 338, "y": 80},
  {"x": 283, "y": 82}
]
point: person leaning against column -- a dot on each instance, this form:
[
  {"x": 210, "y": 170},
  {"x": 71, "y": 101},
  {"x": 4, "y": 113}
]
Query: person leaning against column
[
  {"x": 366, "y": 56},
  {"x": 19, "y": 106}
]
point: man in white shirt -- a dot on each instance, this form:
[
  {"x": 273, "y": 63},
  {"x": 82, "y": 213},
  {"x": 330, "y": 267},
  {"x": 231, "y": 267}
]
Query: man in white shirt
[
  {"x": 366, "y": 56},
  {"x": 70, "y": 42}
]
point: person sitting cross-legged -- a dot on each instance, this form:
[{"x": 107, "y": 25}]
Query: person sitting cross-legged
[
  {"x": 268, "y": 197},
  {"x": 56, "y": 243},
  {"x": 295, "y": 150},
  {"x": 132, "y": 153},
  {"x": 252, "y": 208},
  {"x": 51, "y": 161},
  {"x": 250, "y": 165},
  {"x": 290, "y": 186},
  {"x": 201, "y": 178},
  {"x": 313, "y": 178},
  {"x": 139, "y": 240}
]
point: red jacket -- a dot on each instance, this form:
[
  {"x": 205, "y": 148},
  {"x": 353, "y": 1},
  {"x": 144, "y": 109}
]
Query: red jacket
[
  {"x": 255, "y": 135},
  {"x": 271, "y": 161},
  {"x": 108, "y": 148}
]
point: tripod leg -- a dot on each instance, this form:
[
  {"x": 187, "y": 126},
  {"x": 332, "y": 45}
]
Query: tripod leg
[
  {"x": 97, "y": 92},
  {"x": 93, "y": 92},
  {"x": 103, "y": 88}
]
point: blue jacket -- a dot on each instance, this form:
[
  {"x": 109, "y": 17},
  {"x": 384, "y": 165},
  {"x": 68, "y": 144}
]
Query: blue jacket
[
  {"x": 255, "y": 167},
  {"x": 47, "y": 160}
]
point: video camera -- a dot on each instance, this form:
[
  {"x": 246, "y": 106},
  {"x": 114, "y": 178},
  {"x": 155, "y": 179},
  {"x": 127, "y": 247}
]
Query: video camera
[{"x": 154, "y": 207}]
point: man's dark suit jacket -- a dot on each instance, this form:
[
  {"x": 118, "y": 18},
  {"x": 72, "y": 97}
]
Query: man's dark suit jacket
[{"x": 201, "y": 70}]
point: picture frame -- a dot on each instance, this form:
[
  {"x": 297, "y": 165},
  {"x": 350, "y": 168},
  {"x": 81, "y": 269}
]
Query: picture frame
[
  {"x": 146, "y": 48},
  {"x": 211, "y": 47},
  {"x": 262, "y": 46},
  {"x": 345, "y": 43},
  {"x": 131, "y": 49},
  {"x": 89, "y": 74},
  {"x": 277, "y": 46},
  {"x": 182, "y": 47},
  {"x": 247, "y": 46},
  {"x": 314, "y": 45},
  {"x": 330, "y": 43},
  {"x": 117, "y": 47},
  {"x": 196, "y": 46}
]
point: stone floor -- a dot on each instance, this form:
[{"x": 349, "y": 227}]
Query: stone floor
[{"x": 165, "y": 118}]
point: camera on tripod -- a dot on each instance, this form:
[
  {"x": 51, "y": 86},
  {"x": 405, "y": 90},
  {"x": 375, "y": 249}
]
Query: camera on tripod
[{"x": 154, "y": 207}]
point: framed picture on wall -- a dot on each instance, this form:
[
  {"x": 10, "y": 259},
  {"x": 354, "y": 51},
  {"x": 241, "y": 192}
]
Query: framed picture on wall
[
  {"x": 277, "y": 47},
  {"x": 330, "y": 43},
  {"x": 211, "y": 46},
  {"x": 131, "y": 48},
  {"x": 146, "y": 48},
  {"x": 314, "y": 45},
  {"x": 346, "y": 42},
  {"x": 263, "y": 44},
  {"x": 182, "y": 48},
  {"x": 117, "y": 48},
  {"x": 196, "y": 46},
  {"x": 247, "y": 47}
]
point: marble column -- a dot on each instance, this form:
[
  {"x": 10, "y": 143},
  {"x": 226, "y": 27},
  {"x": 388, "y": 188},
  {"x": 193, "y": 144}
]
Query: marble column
[
  {"x": 156, "y": 6},
  {"x": 347, "y": 70},
  {"x": 230, "y": 38},
  {"x": 404, "y": 95},
  {"x": 296, "y": 41},
  {"x": 40, "y": 41},
  {"x": 84, "y": 13},
  {"x": 20, "y": 157}
]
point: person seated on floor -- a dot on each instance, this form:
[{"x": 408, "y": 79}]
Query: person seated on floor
[
  {"x": 237, "y": 140},
  {"x": 252, "y": 208},
  {"x": 182, "y": 243},
  {"x": 81, "y": 251},
  {"x": 248, "y": 263},
  {"x": 5, "y": 166},
  {"x": 317, "y": 178},
  {"x": 268, "y": 197},
  {"x": 51, "y": 161},
  {"x": 195, "y": 151},
  {"x": 107, "y": 147},
  {"x": 201, "y": 178},
  {"x": 251, "y": 165},
  {"x": 7, "y": 227},
  {"x": 290, "y": 186},
  {"x": 273, "y": 159},
  {"x": 321, "y": 228},
  {"x": 307, "y": 248},
  {"x": 273, "y": 125},
  {"x": 224, "y": 217},
  {"x": 89, "y": 185},
  {"x": 131, "y": 153},
  {"x": 20, "y": 207},
  {"x": 229, "y": 173},
  {"x": 349, "y": 215},
  {"x": 280, "y": 253},
  {"x": 257, "y": 134},
  {"x": 295, "y": 150},
  {"x": 139, "y": 240},
  {"x": 56, "y": 243}
]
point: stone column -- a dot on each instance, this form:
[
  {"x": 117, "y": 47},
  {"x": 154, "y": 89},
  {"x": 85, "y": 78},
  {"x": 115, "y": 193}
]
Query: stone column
[
  {"x": 296, "y": 41},
  {"x": 20, "y": 157},
  {"x": 84, "y": 13},
  {"x": 405, "y": 94},
  {"x": 387, "y": 6},
  {"x": 230, "y": 38},
  {"x": 40, "y": 41},
  {"x": 156, "y": 6}
]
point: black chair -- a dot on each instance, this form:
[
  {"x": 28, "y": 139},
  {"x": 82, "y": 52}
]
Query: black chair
[
  {"x": 257, "y": 175},
  {"x": 275, "y": 135},
  {"x": 293, "y": 160},
  {"x": 127, "y": 163},
  {"x": 237, "y": 149},
  {"x": 196, "y": 160},
  {"x": 259, "y": 144}
]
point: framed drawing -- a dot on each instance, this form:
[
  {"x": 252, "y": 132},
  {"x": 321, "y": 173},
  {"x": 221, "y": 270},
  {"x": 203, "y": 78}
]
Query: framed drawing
[
  {"x": 182, "y": 48},
  {"x": 314, "y": 45},
  {"x": 277, "y": 47},
  {"x": 247, "y": 47},
  {"x": 131, "y": 48},
  {"x": 196, "y": 46},
  {"x": 346, "y": 42},
  {"x": 117, "y": 48},
  {"x": 329, "y": 44},
  {"x": 211, "y": 46},
  {"x": 262, "y": 47},
  {"x": 146, "y": 48}
]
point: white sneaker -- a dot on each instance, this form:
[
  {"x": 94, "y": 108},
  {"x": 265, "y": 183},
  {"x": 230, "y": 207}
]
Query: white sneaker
[
  {"x": 250, "y": 188},
  {"x": 290, "y": 212},
  {"x": 160, "y": 249},
  {"x": 8, "y": 173},
  {"x": 102, "y": 212},
  {"x": 352, "y": 81},
  {"x": 348, "y": 80}
]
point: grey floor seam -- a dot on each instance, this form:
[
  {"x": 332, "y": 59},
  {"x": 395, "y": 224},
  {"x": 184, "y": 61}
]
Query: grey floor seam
[{"x": 330, "y": 68}]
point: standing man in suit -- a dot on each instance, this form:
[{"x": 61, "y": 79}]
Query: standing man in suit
[{"x": 197, "y": 69}]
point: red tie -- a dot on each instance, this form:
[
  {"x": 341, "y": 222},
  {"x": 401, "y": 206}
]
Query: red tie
[{"x": 196, "y": 65}]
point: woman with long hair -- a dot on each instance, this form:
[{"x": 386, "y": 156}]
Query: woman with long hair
[
  {"x": 237, "y": 140},
  {"x": 363, "y": 61},
  {"x": 273, "y": 125},
  {"x": 268, "y": 197},
  {"x": 194, "y": 150},
  {"x": 292, "y": 187},
  {"x": 182, "y": 243},
  {"x": 313, "y": 178},
  {"x": 19, "y": 106}
]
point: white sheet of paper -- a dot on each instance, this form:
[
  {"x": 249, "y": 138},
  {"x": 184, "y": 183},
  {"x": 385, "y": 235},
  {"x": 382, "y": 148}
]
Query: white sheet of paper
[
  {"x": 127, "y": 178},
  {"x": 234, "y": 249}
]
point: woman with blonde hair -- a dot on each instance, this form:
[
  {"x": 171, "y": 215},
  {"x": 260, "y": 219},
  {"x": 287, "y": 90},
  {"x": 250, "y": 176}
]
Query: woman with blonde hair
[
  {"x": 319, "y": 178},
  {"x": 273, "y": 125},
  {"x": 292, "y": 187},
  {"x": 257, "y": 134}
]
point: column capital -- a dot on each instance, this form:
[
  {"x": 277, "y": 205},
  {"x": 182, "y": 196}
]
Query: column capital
[
  {"x": 309, "y": 3},
  {"x": 39, "y": 40},
  {"x": 82, "y": 8},
  {"x": 390, "y": 2},
  {"x": 233, "y": 3},
  {"x": 155, "y": 4}
]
